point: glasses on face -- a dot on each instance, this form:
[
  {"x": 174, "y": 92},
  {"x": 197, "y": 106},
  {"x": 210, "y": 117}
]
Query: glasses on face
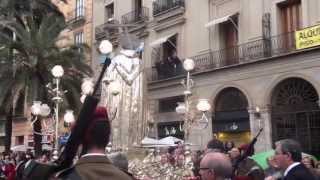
[{"x": 204, "y": 168}]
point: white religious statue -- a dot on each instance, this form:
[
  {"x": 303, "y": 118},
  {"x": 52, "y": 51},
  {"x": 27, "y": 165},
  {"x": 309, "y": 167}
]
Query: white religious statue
[{"x": 122, "y": 94}]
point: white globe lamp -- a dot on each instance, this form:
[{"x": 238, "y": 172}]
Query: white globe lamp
[
  {"x": 68, "y": 116},
  {"x": 57, "y": 71},
  {"x": 87, "y": 86},
  {"x": 181, "y": 108},
  {"x": 36, "y": 108},
  {"x": 203, "y": 105},
  {"x": 188, "y": 65},
  {"x": 105, "y": 47},
  {"x": 44, "y": 110}
]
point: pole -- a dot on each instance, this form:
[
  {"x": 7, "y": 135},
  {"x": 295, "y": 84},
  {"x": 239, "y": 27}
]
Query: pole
[
  {"x": 186, "y": 99},
  {"x": 57, "y": 115}
]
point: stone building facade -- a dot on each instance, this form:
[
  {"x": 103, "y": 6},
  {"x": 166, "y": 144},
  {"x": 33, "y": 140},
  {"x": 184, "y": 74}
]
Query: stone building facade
[{"x": 247, "y": 65}]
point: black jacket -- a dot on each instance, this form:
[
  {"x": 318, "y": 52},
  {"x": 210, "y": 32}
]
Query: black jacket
[{"x": 299, "y": 172}]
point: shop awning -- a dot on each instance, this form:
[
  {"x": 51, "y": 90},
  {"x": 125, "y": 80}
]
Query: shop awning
[
  {"x": 219, "y": 20},
  {"x": 161, "y": 40}
]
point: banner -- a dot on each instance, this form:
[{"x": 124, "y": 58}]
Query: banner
[{"x": 308, "y": 37}]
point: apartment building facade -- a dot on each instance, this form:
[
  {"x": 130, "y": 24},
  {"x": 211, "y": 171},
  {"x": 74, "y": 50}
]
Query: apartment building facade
[{"x": 247, "y": 65}]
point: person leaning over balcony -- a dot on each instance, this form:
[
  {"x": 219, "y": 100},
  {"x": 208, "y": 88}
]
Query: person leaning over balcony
[
  {"x": 175, "y": 63},
  {"x": 95, "y": 164}
]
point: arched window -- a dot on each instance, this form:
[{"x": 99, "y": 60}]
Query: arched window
[
  {"x": 231, "y": 114},
  {"x": 296, "y": 113},
  {"x": 231, "y": 99}
]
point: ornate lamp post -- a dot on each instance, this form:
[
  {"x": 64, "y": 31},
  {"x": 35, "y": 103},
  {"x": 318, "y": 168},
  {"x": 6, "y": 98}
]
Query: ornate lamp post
[
  {"x": 183, "y": 108},
  {"x": 57, "y": 71}
]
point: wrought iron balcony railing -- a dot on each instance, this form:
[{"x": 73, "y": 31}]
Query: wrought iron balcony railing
[
  {"x": 240, "y": 54},
  {"x": 76, "y": 15},
  {"x": 160, "y": 6},
  {"x": 137, "y": 15},
  {"x": 103, "y": 31}
]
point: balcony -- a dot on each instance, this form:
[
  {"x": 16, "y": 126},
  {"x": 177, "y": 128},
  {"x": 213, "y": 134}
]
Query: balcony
[
  {"x": 109, "y": 31},
  {"x": 135, "y": 16},
  {"x": 162, "y": 6},
  {"x": 241, "y": 54},
  {"x": 76, "y": 16}
]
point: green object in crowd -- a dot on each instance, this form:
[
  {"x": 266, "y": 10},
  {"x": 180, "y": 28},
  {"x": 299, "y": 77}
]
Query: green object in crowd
[{"x": 261, "y": 158}]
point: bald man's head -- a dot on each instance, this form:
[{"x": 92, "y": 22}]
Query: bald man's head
[{"x": 215, "y": 166}]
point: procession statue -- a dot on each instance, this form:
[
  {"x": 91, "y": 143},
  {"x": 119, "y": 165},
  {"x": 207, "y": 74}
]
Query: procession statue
[{"x": 122, "y": 94}]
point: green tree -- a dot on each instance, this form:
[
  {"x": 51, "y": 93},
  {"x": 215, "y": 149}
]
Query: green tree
[{"x": 28, "y": 51}]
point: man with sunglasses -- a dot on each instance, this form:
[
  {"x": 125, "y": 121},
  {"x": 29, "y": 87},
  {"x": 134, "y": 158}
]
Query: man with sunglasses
[
  {"x": 288, "y": 157},
  {"x": 215, "y": 166}
]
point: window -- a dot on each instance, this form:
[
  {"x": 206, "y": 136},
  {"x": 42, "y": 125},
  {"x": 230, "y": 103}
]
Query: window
[
  {"x": 229, "y": 33},
  {"x": 19, "y": 140},
  {"x": 239, "y": 101},
  {"x": 2, "y": 140},
  {"x": 168, "y": 63},
  {"x": 79, "y": 38},
  {"x": 169, "y": 47},
  {"x": 169, "y": 104},
  {"x": 109, "y": 12},
  {"x": 137, "y": 4},
  {"x": 79, "y": 8},
  {"x": 138, "y": 8},
  {"x": 290, "y": 15},
  {"x": 174, "y": 129},
  {"x": 231, "y": 116}
]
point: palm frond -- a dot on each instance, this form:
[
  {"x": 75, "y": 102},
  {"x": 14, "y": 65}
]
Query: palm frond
[{"x": 5, "y": 89}]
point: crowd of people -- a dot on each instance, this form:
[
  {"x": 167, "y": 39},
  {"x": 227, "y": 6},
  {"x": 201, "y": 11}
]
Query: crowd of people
[
  {"x": 216, "y": 162},
  {"x": 12, "y": 164},
  {"x": 226, "y": 161}
]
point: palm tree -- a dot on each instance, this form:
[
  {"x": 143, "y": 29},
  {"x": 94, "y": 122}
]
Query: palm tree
[{"x": 28, "y": 58}]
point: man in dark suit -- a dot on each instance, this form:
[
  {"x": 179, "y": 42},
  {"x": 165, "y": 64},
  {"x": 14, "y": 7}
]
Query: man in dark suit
[
  {"x": 288, "y": 156},
  {"x": 94, "y": 164}
]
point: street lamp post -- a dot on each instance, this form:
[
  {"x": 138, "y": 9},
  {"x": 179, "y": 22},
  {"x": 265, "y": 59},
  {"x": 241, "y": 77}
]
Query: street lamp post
[
  {"x": 57, "y": 71},
  {"x": 183, "y": 108}
]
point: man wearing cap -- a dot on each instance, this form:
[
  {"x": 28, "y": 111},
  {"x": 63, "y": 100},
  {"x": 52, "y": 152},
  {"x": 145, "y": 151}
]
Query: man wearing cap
[{"x": 94, "y": 164}]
